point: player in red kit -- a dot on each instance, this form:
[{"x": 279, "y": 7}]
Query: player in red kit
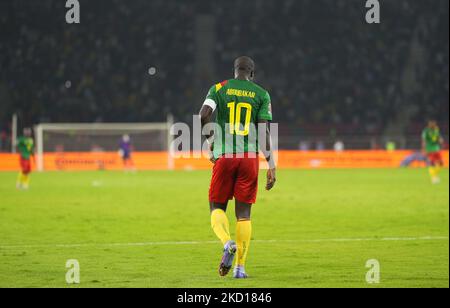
[
  {"x": 25, "y": 146},
  {"x": 242, "y": 108}
]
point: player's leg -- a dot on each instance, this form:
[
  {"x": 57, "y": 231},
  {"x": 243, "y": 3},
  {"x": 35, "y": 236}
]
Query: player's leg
[
  {"x": 26, "y": 181},
  {"x": 19, "y": 182},
  {"x": 243, "y": 237},
  {"x": 220, "y": 191},
  {"x": 434, "y": 168},
  {"x": 219, "y": 221},
  {"x": 431, "y": 169},
  {"x": 432, "y": 172},
  {"x": 245, "y": 191},
  {"x": 26, "y": 174},
  {"x": 439, "y": 165},
  {"x": 125, "y": 161},
  {"x": 131, "y": 165},
  {"x": 221, "y": 227},
  {"x": 21, "y": 178},
  {"x": 20, "y": 175}
]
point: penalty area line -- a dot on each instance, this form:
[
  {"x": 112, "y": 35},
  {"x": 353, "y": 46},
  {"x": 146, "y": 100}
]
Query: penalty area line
[{"x": 192, "y": 243}]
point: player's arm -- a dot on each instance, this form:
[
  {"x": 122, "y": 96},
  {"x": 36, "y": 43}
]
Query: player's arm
[
  {"x": 267, "y": 151},
  {"x": 206, "y": 116},
  {"x": 207, "y": 111},
  {"x": 264, "y": 118},
  {"x": 424, "y": 142},
  {"x": 442, "y": 141}
]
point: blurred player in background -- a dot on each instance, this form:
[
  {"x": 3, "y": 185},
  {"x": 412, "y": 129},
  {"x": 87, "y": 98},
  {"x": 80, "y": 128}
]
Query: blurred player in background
[
  {"x": 125, "y": 149},
  {"x": 25, "y": 146},
  {"x": 241, "y": 105},
  {"x": 432, "y": 143}
]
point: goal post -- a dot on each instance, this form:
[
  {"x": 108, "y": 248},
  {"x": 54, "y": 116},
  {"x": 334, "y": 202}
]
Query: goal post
[{"x": 87, "y": 137}]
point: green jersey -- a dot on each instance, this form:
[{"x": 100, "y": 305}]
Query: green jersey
[
  {"x": 432, "y": 139},
  {"x": 240, "y": 105},
  {"x": 25, "y": 146}
]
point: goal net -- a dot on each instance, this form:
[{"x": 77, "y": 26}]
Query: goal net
[{"x": 101, "y": 139}]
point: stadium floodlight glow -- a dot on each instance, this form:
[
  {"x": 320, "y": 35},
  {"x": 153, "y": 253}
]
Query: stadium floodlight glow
[{"x": 82, "y": 137}]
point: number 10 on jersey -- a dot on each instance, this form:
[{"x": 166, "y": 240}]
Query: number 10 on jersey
[{"x": 235, "y": 118}]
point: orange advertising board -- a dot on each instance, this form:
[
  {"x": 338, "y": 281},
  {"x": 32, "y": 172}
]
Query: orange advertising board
[{"x": 159, "y": 160}]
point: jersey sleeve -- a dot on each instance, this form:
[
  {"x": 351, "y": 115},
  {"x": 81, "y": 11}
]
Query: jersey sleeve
[
  {"x": 265, "y": 112},
  {"x": 211, "y": 98}
]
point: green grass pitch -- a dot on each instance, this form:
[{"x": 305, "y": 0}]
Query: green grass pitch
[{"x": 315, "y": 229}]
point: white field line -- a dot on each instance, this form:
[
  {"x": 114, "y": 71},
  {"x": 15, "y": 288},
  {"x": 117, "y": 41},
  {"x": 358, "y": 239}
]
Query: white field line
[{"x": 180, "y": 243}]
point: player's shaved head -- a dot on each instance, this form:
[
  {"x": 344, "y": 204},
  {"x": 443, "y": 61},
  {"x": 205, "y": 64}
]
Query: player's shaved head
[
  {"x": 244, "y": 67},
  {"x": 432, "y": 124}
]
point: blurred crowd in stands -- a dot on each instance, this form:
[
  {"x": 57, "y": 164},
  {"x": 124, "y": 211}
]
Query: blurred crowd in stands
[{"x": 328, "y": 71}]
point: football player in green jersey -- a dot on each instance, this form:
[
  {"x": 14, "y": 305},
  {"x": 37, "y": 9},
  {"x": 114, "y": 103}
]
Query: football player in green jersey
[
  {"x": 25, "y": 146},
  {"x": 432, "y": 143},
  {"x": 243, "y": 110}
]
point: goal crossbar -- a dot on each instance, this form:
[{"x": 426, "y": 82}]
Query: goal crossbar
[
  {"x": 102, "y": 126},
  {"x": 130, "y": 127}
]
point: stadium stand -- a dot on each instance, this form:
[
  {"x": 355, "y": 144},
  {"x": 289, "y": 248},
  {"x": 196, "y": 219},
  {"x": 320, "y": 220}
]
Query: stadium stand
[{"x": 348, "y": 78}]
